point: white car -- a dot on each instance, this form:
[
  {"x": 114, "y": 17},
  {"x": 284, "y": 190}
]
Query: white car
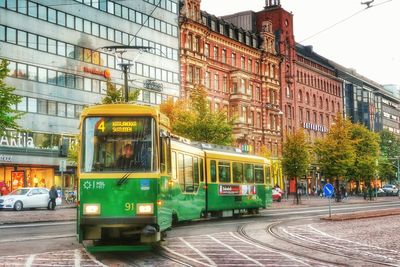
[{"x": 30, "y": 197}]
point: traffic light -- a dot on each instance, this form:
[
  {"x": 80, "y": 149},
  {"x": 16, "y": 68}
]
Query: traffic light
[{"x": 63, "y": 149}]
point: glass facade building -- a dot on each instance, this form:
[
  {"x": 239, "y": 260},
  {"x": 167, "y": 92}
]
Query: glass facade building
[{"x": 58, "y": 66}]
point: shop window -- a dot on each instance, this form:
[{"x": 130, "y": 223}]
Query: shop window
[{"x": 224, "y": 171}]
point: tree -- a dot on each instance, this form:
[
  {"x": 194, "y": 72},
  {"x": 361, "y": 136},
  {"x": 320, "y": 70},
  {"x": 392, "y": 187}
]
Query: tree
[
  {"x": 390, "y": 151},
  {"x": 336, "y": 153},
  {"x": 193, "y": 119},
  {"x": 116, "y": 95},
  {"x": 366, "y": 146},
  {"x": 296, "y": 156},
  {"x": 8, "y": 100}
]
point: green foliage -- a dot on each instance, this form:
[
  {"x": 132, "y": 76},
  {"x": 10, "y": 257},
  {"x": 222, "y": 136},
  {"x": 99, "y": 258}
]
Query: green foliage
[
  {"x": 116, "y": 95},
  {"x": 296, "y": 154},
  {"x": 8, "y": 100},
  {"x": 366, "y": 146},
  {"x": 336, "y": 153},
  {"x": 193, "y": 119},
  {"x": 390, "y": 150}
]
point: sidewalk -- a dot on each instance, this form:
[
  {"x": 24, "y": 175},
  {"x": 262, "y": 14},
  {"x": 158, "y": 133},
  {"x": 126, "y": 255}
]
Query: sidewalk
[
  {"x": 313, "y": 201},
  {"x": 64, "y": 212}
]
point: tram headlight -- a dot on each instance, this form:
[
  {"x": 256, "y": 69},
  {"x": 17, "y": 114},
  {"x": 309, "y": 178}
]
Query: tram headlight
[
  {"x": 145, "y": 208},
  {"x": 91, "y": 209}
]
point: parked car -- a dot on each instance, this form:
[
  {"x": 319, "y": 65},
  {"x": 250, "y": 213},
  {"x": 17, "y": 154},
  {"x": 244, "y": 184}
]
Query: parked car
[
  {"x": 277, "y": 194},
  {"x": 380, "y": 192},
  {"x": 390, "y": 190},
  {"x": 29, "y": 197}
]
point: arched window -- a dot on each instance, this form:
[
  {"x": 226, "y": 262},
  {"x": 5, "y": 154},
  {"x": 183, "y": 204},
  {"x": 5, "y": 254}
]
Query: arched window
[
  {"x": 327, "y": 104},
  {"x": 300, "y": 96},
  {"x": 307, "y": 98},
  {"x": 314, "y": 99},
  {"x": 321, "y": 103},
  {"x": 333, "y": 106}
]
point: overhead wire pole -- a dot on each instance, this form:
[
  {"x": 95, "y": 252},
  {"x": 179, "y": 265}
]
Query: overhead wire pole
[{"x": 125, "y": 66}]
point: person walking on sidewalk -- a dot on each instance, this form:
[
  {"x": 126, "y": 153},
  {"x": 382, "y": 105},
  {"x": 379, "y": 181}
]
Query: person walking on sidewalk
[{"x": 53, "y": 196}]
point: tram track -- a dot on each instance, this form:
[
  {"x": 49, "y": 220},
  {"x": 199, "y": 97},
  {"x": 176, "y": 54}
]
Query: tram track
[{"x": 330, "y": 249}]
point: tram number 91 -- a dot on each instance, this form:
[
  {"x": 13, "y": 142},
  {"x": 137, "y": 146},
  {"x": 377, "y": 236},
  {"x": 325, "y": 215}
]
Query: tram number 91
[{"x": 129, "y": 206}]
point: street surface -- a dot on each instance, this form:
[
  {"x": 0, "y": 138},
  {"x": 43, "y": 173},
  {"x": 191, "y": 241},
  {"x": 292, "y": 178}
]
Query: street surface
[{"x": 283, "y": 236}]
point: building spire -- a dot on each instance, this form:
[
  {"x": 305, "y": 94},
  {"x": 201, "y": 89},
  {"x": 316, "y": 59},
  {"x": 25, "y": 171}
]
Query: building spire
[{"x": 272, "y": 3}]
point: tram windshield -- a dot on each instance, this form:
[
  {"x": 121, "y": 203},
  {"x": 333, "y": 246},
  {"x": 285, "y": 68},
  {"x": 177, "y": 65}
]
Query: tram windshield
[{"x": 119, "y": 144}]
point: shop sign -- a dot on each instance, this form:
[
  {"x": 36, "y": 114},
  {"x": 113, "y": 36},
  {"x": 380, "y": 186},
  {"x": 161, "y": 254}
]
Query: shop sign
[
  {"x": 105, "y": 73},
  {"x": 153, "y": 85},
  {"x": 236, "y": 190},
  {"x": 6, "y": 158},
  {"x": 14, "y": 139},
  {"x": 315, "y": 127}
]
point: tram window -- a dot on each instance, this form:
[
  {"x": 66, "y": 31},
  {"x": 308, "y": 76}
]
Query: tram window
[
  {"x": 213, "y": 171},
  {"x": 189, "y": 174},
  {"x": 201, "y": 170},
  {"x": 249, "y": 173},
  {"x": 267, "y": 175},
  {"x": 224, "y": 171},
  {"x": 173, "y": 163},
  {"x": 181, "y": 172},
  {"x": 195, "y": 173},
  {"x": 259, "y": 173},
  {"x": 237, "y": 169},
  {"x": 165, "y": 159}
]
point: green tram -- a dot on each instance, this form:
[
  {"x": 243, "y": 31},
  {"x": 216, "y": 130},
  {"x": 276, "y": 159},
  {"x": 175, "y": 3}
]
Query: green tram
[{"x": 136, "y": 179}]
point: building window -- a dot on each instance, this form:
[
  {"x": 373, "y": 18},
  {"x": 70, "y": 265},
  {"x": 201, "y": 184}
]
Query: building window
[
  {"x": 233, "y": 59},
  {"x": 225, "y": 84},
  {"x": 216, "y": 82},
  {"x": 242, "y": 62},
  {"x": 190, "y": 74},
  {"x": 223, "y": 56},
  {"x": 215, "y": 53},
  {"x": 249, "y": 65},
  {"x": 207, "y": 50},
  {"x": 207, "y": 79}
]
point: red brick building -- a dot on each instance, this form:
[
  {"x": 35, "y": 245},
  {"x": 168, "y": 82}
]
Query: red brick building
[
  {"x": 311, "y": 94},
  {"x": 239, "y": 68}
]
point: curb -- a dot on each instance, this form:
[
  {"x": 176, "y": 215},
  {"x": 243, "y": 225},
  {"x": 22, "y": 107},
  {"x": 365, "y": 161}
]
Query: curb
[
  {"x": 34, "y": 222},
  {"x": 362, "y": 215}
]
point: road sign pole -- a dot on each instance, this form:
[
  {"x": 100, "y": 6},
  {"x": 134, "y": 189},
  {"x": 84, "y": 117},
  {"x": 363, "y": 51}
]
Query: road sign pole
[{"x": 330, "y": 210}]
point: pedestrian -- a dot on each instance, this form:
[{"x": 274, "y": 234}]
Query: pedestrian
[{"x": 53, "y": 195}]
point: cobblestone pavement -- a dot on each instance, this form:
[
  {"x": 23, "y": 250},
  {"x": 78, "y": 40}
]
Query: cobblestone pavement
[
  {"x": 66, "y": 258},
  {"x": 373, "y": 239},
  {"x": 230, "y": 249}
]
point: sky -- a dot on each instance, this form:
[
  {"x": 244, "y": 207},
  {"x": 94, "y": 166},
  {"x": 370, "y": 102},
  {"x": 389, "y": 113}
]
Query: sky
[{"x": 367, "y": 41}]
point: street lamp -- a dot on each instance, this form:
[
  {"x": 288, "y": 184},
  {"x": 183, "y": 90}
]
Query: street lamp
[{"x": 124, "y": 66}]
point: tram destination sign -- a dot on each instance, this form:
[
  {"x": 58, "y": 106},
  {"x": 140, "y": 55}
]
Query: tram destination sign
[{"x": 117, "y": 125}]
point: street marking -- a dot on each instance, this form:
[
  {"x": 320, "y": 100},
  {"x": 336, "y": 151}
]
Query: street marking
[
  {"x": 77, "y": 256},
  {"x": 30, "y": 260},
  {"x": 198, "y": 252},
  {"x": 183, "y": 256},
  {"x": 236, "y": 251}
]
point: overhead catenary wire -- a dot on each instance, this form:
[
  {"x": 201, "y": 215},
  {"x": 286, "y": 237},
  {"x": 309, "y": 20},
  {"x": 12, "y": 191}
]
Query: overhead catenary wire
[{"x": 343, "y": 20}]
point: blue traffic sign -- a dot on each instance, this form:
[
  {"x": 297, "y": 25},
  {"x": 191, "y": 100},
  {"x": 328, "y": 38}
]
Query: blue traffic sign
[{"x": 328, "y": 190}]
